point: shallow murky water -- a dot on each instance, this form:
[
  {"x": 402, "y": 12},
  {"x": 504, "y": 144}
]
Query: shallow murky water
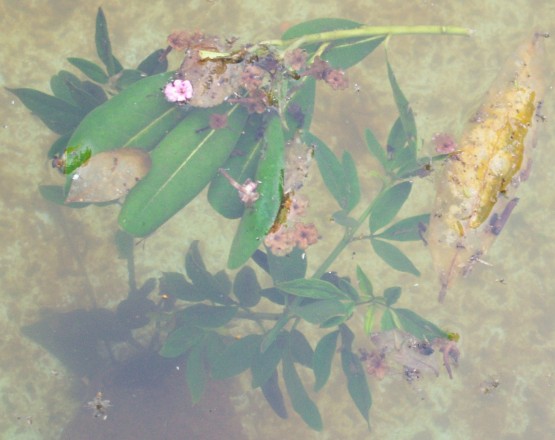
[{"x": 62, "y": 259}]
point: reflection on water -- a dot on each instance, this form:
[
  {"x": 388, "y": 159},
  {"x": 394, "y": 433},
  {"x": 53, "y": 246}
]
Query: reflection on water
[{"x": 62, "y": 279}]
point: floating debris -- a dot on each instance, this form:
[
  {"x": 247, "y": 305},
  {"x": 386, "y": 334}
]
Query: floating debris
[
  {"x": 480, "y": 177},
  {"x": 100, "y": 406}
]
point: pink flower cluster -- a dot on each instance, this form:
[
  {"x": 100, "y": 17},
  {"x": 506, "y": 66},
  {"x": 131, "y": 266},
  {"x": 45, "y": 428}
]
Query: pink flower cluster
[
  {"x": 179, "y": 91},
  {"x": 302, "y": 235}
]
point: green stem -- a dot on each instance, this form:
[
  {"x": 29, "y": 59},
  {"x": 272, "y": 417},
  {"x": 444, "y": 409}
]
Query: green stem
[{"x": 368, "y": 31}]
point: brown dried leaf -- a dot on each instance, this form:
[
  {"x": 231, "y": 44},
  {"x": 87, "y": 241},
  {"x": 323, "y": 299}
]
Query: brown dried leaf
[{"x": 108, "y": 175}]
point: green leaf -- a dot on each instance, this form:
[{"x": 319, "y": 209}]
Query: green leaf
[
  {"x": 289, "y": 267},
  {"x": 409, "y": 229},
  {"x": 55, "y": 113},
  {"x": 85, "y": 96},
  {"x": 241, "y": 165},
  {"x": 175, "y": 285},
  {"x": 387, "y": 205},
  {"x": 205, "y": 316},
  {"x": 343, "y": 53},
  {"x": 91, "y": 70},
  {"x": 323, "y": 356},
  {"x": 369, "y": 320},
  {"x": 332, "y": 171},
  {"x": 58, "y": 85},
  {"x": 103, "y": 46},
  {"x": 391, "y": 295},
  {"x": 236, "y": 358},
  {"x": 181, "y": 340},
  {"x": 274, "y": 396},
  {"x": 320, "y": 311},
  {"x": 272, "y": 335},
  {"x": 125, "y": 245},
  {"x": 418, "y": 326},
  {"x": 300, "y": 107},
  {"x": 352, "y": 186},
  {"x": 300, "y": 348},
  {"x": 194, "y": 374},
  {"x": 182, "y": 164},
  {"x": 58, "y": 146},
  {"x": 387, "y": 321},
  {"x": 256, "y": 221},
  {"x": 57, "y": 195},
  {"x": 405, "y": 111},
  {"x": 139, "y": 112},
  {"x": 376, "y": 149},
  {"x": 311, "y": 288},
  {"x": 212, "y": 288},
  {"x": 356, "y": 382},
  {"x": 246, "y": 287},
  {"x": 342, "y": 218},
  {"x": 394, "y": 257},
  {"x": 299, "y": 398},
  {"x": 364, "y": 283},
  {"x": 265, "y": 363},
  {"x": 128, "y": 77},
  {"x": 155, "y": 63}
]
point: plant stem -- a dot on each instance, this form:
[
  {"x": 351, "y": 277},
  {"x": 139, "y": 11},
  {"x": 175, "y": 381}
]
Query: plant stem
[{"x": 368, "y": 31}]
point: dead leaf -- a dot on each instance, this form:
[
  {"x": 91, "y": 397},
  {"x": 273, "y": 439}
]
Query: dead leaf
[{"x": 108, "y": 176}]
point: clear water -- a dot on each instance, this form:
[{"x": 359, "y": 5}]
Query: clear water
[{"x": 65, "y": 259}]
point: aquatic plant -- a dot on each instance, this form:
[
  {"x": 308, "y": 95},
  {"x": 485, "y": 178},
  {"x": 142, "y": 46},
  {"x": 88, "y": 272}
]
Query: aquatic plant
[{"x": 237, "y": 118}]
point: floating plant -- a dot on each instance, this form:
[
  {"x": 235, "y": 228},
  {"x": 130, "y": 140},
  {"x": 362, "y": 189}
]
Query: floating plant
[{"x": 237, "y": 118}]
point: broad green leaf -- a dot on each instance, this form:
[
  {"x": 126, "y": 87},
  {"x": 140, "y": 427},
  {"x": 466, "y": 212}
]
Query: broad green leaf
[
  {"x": 394, "y": 257},
  {"x": 289, "y": 267},
  {"x": 205, "y": 316},
  {"x": 297, "y": 393},
  {"x": 391, "y": 295},
  {"x": 364, "y": 283},
  {"x": 181, "y": 340},
  {"x": 405, "y": 111},
  {"x": 58, "y": 146},
  {"x": 397, "y": 145},
  {"x": 274, "y": 396},
  {"x": 342, "y": 218},
  {"x": 214, "y": 345},
  {"x": 300, "y": 348},
  {"x": 55, "y": 113},
  {"x": 236, "y": 358},
  {"x": 369, "y": 320},
  {"x": 123, "y": 121},
  {"x": 91, "y": 70},
  {"x": 346, "y": 286},
  {"x": 274, "y": 294},
  {"x": 320, "y": 311},
  {"x": 194, "y": 374},
  {"x": 323, "y": 356},
  {"x": 246, "y": 287},
  {"x": 265, "y": 363},
  {"x": 257, "y": 221},
  {"x": 418, "y": 326},
  {"x": 154, "y": 64},
  {"x": 241, "y": 165},
  {"x": 388, "y": 321},
  {"x": 175, "y": 285},
  {"x": 352, "y": 186},
  {"x": 85, "y": 98},
  {"x": 311, "y": 288},
  {"x": 409, "y": 229},
  {"x": 103, "y": 46},
  {"x": 387, "y": 205},
  {"x": 376, "y": 149},
  {"x": 182, "y": 165}
]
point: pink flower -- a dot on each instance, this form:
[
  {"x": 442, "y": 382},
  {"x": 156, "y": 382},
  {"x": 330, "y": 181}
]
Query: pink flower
[
  {"x": 337, "y": 79},
  {"x": 298, "y": 207},
  {"x": 444, "y": 143},
  {"x": 295, "y": 59},
  {"x": 305, "y": 235},
  {"x": 281, "y": 242},
  {"x": 247, "y": 191},
  {"x": 179, "y": 91}
]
